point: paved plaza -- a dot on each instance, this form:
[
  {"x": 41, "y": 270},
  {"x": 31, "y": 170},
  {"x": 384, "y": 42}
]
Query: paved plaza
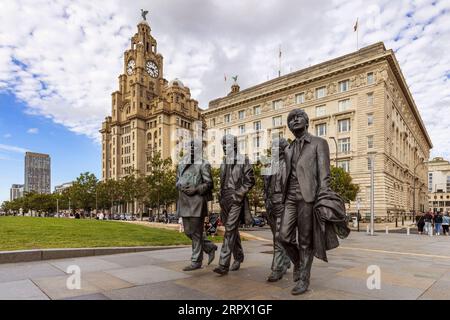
[{"x": 412, "y": 267}]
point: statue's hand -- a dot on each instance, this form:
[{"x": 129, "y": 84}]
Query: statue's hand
[{"x": 190, "y": 190}]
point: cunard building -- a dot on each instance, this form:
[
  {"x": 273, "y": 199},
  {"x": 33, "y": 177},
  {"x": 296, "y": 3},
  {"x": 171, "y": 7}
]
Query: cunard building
[{"x": 360, "y": 103}]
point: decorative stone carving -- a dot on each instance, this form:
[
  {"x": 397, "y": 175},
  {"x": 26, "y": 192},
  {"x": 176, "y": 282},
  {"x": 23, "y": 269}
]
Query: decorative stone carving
[
  {"x": 309, "y": 94},
  {"x": 332, "y": 88}
]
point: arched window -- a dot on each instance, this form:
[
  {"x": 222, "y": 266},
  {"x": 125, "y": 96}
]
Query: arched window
[{"x": 149, "y": 136}]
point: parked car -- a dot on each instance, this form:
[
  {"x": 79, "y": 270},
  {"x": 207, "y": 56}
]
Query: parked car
[{"x": 258, "y": 222}]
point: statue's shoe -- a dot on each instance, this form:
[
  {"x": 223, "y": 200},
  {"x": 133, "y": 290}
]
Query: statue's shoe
[
  {"x": 235, "y": 266},
  {"x": 275, "y": 276},
  {"x": 212, "y": 255},
  {"x": 301, "y": 287},
  {"x": 221, "y": 270},
  {"x": 192, "y": 267}
]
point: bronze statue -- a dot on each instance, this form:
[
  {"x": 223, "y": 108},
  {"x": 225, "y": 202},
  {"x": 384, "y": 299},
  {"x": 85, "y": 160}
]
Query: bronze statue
[
  {"x": 236, "y": 180},
  {"x": 194, "y": 183},
  {"x": 273, "y": 195},
  {"x": 312, "y": 209}
]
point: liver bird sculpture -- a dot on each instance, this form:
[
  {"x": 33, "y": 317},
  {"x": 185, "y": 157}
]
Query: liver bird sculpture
[{"x": 144, "y": 14}]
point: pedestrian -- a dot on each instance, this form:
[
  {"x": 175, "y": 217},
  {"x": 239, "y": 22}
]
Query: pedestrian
[
  {"x": 445, "y": 223},
  {"x": 428, "y": 218},
  {"x": 438, "y": 223},
  {"x": 420, "y": 223}
]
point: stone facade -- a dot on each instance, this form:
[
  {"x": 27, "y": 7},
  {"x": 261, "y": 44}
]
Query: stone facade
[
  {"x": 362, "y": 101},
  {"x": 148, "y": 113},
  {"x": 439, "y": 184}
]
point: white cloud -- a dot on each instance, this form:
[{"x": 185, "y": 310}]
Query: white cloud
[
  {"x": 7, "y": 135},
  {"x": 33, "y": 131},
  {"x": 64, "y": 57},
  {"x": 15, "y": 149}
]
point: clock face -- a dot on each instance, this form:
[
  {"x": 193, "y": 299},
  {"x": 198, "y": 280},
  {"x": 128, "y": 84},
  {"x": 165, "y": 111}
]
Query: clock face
[
  {"x": 152, "y": 69},
  {"x": 130, "y": 67}
]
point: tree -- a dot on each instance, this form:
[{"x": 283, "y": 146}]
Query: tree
[
  {"x": 256, "y": 194},
  {"x": 341, "y": 183},
  {"x": 159, "y": 181},
  {"x": 83, "y": 192}
]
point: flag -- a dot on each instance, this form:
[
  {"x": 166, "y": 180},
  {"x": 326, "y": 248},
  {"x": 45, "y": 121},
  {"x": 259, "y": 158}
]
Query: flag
[{"x": 356, "y": 26}]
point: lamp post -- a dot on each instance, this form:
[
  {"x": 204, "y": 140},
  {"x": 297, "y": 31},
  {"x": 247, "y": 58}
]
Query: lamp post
[
  {"x": 414, "y": 188},
  {"x": 372, "y": 192},
  {"x": 335, "y": 143}
]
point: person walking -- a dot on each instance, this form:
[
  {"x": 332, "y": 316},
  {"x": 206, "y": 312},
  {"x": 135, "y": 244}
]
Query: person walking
[
  {"x": 445, "y": 223},
  {"x": 438, "y": 223},
  {"x": 420, "y": 223},
  {"x": 428, "y": 218}
]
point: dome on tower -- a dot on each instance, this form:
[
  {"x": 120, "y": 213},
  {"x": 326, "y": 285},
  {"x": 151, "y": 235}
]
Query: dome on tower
[{"x": 176, "y": 82}]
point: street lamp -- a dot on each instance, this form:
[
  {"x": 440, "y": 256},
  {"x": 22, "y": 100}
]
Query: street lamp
[
  {"x": 414, "y": 187},
  {"x": 335, "y": 143},
  {"x": 372, "y": 192}
]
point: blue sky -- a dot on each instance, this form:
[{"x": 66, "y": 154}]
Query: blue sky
[
  {"x": 70, "y": 153},
  {"x": 60, "y": 59}
]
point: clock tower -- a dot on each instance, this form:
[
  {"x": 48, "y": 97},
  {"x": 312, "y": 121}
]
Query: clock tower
[{"x": 149, "y": 114}]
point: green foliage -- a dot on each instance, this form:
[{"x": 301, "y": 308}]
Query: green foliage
[
  {"x": 256, "y": 194},
  {"x": 341, "y": 183}
]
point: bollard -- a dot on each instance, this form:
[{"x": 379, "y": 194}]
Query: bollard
[
  {"x": 430, "y": 231},
  {"x": 407, "y": 231},
  {"x": 368, "y": 229},
  {"x": 387, "y": 229}
]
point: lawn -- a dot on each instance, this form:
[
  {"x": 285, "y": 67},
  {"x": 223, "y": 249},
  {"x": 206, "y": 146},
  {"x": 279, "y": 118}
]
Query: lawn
[{"x": 22, "y": 233}]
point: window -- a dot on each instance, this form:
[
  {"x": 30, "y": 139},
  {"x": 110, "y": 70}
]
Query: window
[
  {"x": 257, "y": 125},
  {"x": 241, "y": 114},
  {"x": 242, "y": 146},
  {"x": 344, "y": 125},
  {"x": 321, "y": 130},
  {"x": 321, "y": 92},
  {"x": 257, "y": 110},
  {"x": 277, "y": 104},
  {"x": 344, "y": 145},
  {"x": 344, "y": 105},
  {"x": 344, "y": 164},
  {"x": 227, "y": 131},
  {"x": 369, "y": 164},
  {"x": 344, "y": 85},
  {"x": 242, "y": 129},
  {"x": 448, "y": 184},
  {"x": 212, "y": 122},
  {"x": 300, "y": 98},
  {"x": 370, "y": 119},
  {"x": 368, "y": 192},
  {"x": 370, "y": 99},
  {"x": 257, "y": 142},
  {"x": 276, "y": 121},
  {"x": 320, "y": 111},
  {"x": 370, "y": 142},
  {"x": 370, "y": 78},
  {"x": 227, "y": 118}
]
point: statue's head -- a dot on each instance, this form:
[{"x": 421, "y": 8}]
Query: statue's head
[
  {"x": 229, "y": 144},
  {"x": 194, "y": 148},
  {"x": 298, "y": 121}
]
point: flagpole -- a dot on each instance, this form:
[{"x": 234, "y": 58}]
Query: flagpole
[{"x": 279, "y": 62}]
